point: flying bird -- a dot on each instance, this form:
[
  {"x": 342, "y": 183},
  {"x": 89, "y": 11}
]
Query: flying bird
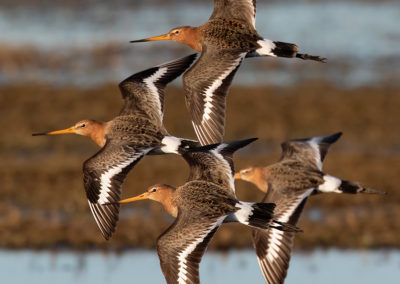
[
  {"x": 288, "y": 183},
  {"x": 200, "y": 206},
  {"x": 136, "y": 131},
  {"x": 224, "y": 41}
]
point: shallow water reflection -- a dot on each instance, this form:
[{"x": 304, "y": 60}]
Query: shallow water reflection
[
  {"x": 137, "y": 266},
  {"x": 90, "y": 45}
]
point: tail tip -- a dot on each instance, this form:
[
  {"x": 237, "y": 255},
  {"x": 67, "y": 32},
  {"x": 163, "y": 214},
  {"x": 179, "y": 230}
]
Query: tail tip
[
  {"x": 373, "y": 191},
  {"x": 311, "y": 57},
  {"x": 282, "y": 226}
]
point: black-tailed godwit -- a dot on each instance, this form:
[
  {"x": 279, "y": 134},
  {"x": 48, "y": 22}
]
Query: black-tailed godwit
[
  {"x": 138, "y": 130},
  {"x": 289, "y": 183},
  {"x": 224, "y": 41}
]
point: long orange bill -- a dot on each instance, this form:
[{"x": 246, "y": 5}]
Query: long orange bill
[
  {"x": 63, "y": 131},
  {"x": 161, "y": 37},
  {"x": 237, "y": 176},
  {"x": 136, "y": 198}
]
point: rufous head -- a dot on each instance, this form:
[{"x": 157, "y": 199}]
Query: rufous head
[
  {"x": 254, "y": 175},
  {"x": 159, "y": 192},
  {"x": 90, "y": 128},
  {"x": 185, "y": 34}
]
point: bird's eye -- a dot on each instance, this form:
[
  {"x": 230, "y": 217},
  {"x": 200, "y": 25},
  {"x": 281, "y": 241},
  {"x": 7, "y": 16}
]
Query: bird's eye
[
  {"x": 176, "y": 32},
  {"x": 154, "y": 190},
  {"x": 245, "y": 171},
  {"x": 83, "y": 125}
]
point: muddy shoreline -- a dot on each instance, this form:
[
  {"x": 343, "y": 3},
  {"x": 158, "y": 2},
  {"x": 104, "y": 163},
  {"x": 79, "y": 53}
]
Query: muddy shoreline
[{"x": 42, "y": 202}]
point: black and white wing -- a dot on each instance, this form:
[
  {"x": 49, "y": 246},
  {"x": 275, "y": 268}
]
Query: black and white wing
[
  {"x": 244, "y": 10},
  {"x": 214, "y": 162},
  {"x": 103, "y": 175},
  {"x": 274, "y": 247},
  {"x": 289, "y": 190},
  {"x": 143, "y": 92},
  {"x": 182, "y": 246},
  {"x": 311, "y": 151},
  {"x": 206, "y": 86}
]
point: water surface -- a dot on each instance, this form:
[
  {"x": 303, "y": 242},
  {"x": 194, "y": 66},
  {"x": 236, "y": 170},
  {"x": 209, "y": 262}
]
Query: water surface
[
  {"x": 361, "y": 41},
  {"x": 332, "y": 266}
]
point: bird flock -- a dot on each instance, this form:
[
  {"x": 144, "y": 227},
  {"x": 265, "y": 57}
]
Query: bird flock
[{"x": 207, "y": 199}]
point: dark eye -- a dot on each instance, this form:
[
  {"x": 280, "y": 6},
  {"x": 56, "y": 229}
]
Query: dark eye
[
  {"x": 154, "y": 190},
  {"x": 176, "y": 32},
  {"x": 245, "y": 171},
  {"x": 83, "y": 125}
]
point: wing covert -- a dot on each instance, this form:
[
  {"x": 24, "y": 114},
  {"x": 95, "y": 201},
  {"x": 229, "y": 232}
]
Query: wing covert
[{"x": 244, "y": 10}]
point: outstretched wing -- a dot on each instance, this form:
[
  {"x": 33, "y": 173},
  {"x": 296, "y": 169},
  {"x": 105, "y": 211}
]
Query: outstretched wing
[
  {"x": 214, "y": 162},
  {"x": 103, "y": 175},
  {"x": 244, "y": 10},
  {"x": 289, "y": 191},
  {"x": 182, "y": 246},
  {"x": 310, "y": 151},
  {"x": 274, "y": 247},
  {"x": 206, "y": 85},
  {"x": 143, "y": 92}
]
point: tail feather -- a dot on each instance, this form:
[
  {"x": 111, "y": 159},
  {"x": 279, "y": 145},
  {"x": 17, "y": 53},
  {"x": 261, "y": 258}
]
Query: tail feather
[
  {"x": 305, "y": 56},
  {"x": 337, "y": 185},
  {"x": 285, "y": 227},
  {"x": 354, "y": 188},
  {"x": 260, "y": 215},
  {"x": 174, "y": 145},
  {"x": 281, "y": 49}
]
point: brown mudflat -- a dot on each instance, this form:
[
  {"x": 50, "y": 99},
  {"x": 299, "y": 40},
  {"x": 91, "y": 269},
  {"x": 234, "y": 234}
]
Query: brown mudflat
[{"x": 41, "y": 201}]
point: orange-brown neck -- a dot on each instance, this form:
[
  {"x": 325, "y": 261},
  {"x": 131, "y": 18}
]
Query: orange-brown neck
[
  {"x": 170, "y": 206},
  {"x": 258, "y": 176},
  {"x": 97, "y": 133},
  {"x": 261, "y": 178}
]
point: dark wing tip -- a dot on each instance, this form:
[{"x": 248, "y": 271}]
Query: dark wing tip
[
  {"x": 332, "y": 138},
  {"x": 106, "y": 217},
  {"x": 235, "y": 145},
  {"x": 175, "y": 69},
  {"x": 230, "y": 146},
  {"x": 137, "y": 77}
]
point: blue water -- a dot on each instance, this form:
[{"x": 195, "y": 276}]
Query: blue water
[
  {"x": 361, "y": 40},
  {"x": 333, "y": 28},
  {"x": 332, "y": 266}
]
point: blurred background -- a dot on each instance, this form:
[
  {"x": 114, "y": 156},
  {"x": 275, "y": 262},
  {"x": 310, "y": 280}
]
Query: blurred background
[{"x": 60, "y": 62}]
